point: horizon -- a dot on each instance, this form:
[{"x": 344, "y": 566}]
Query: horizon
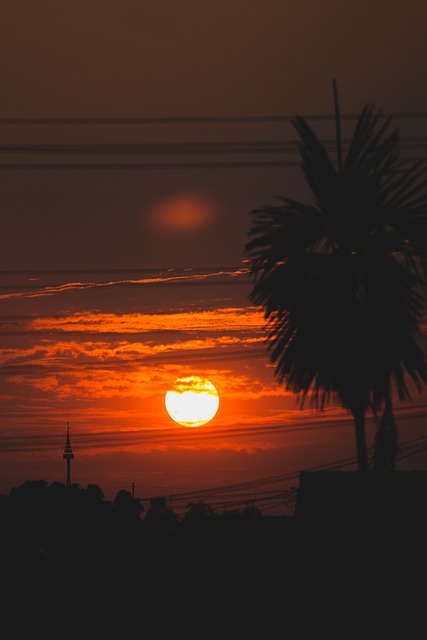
[{"x": 274, "y": 494}]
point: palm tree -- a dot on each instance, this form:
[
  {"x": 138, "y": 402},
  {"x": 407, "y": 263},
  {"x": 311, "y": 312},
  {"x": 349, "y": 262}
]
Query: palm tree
[{"x": 342, "y": 279}]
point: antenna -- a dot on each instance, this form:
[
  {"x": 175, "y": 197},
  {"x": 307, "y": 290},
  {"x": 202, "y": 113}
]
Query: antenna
[
  {"x": 337, "y": 125},
  {"x": 68, "y": 455}
]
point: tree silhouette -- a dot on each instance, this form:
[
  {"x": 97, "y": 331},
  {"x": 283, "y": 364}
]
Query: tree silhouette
[
  {"x": 342, "y": 280},
  {"x": 160, "y": 518}
]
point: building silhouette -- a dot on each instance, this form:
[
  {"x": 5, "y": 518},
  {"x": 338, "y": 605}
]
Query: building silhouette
[{"x": 68, "y": 455}]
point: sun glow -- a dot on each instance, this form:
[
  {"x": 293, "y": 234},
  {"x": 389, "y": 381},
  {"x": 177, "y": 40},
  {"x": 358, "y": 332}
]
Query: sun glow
[{"x": 192, "y": 401}]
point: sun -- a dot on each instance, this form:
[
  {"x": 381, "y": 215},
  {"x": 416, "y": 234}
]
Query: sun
[{"x": 192, "y": 401}]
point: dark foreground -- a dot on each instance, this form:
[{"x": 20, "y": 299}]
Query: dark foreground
[{"x": 75, "y": 564}]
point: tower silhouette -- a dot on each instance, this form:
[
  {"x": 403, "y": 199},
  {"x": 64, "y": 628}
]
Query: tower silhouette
[{"x": 68, "y": 455}]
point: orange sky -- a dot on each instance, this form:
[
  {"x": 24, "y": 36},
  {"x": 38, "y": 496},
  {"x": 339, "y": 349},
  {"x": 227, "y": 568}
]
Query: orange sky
[
  {"x": 135, "y": 138},
  {"x": 107, "y": 373}
]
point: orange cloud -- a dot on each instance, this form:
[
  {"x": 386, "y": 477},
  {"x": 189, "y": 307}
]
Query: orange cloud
[
  {"x": 159, "y": 278},
  {"x": 137, "y": 381},
  {"x": 231, "y": 319}
]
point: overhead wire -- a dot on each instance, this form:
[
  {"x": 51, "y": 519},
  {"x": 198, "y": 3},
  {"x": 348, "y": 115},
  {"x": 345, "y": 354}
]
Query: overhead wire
[
  {"x": 172, "y": 120},
  {"x": 249, "y": 493},
  {"x": 227, "y": 148},
  {"x": 173, "y": 148}
]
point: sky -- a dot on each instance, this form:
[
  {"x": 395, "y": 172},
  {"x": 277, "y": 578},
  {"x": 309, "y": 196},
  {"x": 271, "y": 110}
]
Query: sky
[{"x": 135, "y": 140}]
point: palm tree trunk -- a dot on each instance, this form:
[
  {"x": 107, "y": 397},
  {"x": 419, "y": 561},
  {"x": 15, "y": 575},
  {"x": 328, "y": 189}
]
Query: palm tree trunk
[
  {"x": 360, "y": 433},
  {"x": 386, "y": 441}
]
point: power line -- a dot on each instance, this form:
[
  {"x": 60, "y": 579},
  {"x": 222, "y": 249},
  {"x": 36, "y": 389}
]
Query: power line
[
  {"x": 227, "y": 148},
  {"x": 193, "y": 148},
  {"x": 193, "y": 119},
  {"x": 138, "y": 166},
  {"x": 243, "y": 493},
  {"x": 223, "y": 147}
]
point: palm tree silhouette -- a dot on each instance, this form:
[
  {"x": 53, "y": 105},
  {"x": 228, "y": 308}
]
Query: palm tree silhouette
[{"x": 342, "y": 280}]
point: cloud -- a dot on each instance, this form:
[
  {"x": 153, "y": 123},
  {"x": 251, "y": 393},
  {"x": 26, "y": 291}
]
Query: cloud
[
  {"x": 164, "y": 277},
  {"x": 228, "y": 319}
]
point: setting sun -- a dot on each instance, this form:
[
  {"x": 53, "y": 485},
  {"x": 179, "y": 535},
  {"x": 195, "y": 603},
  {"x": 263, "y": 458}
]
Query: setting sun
[{"x": 192, "y": 401}]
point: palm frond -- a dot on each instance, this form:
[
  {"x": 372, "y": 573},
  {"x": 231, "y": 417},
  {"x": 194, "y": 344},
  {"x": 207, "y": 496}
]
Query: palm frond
[
  {"x": 342, "y": 280},
  {"x": 365, "y": 139}
]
